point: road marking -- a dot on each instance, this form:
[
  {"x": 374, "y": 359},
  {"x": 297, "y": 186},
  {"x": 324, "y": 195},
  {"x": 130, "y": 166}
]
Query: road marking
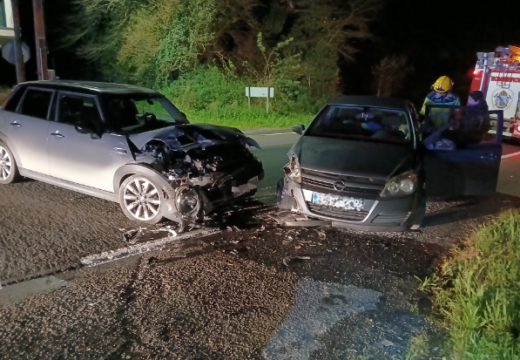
[
  {"x": 284, "y": 133},
  {"x": 511, "y": 155},
  {"x": 138, "y": 249}
]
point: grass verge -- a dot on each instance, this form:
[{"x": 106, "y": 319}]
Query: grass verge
[
  {"x": 477, "y": 295},
  {"x": 248, "y": 118}
]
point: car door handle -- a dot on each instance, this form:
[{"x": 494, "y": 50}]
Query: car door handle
[
  {"x": 57, "y": 134},
  {"x": 16, "y": 124},
  {"x": 119, "y": 151}
]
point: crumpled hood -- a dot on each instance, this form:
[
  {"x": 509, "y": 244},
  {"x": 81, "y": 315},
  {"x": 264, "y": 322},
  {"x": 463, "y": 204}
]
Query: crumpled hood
[
  {"x": 202, "y": 133},
  {"x": 353, "y": 157}
]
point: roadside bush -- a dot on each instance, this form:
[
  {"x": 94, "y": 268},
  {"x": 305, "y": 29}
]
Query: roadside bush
[
  {"x": 477, "y": 293},
  {"x": 208, "y": 94}
]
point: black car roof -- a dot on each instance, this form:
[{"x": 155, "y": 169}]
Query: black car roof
[
  {"x": 92, "y": 87},
  {"x": 371, "y": 101}
]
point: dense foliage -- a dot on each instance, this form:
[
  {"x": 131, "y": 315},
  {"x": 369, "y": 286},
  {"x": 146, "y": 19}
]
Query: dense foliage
[{"x": 291, "y": 45}]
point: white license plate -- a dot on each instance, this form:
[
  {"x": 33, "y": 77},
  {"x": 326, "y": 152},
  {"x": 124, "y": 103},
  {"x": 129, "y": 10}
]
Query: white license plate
[{"x": 340, "y": 202}]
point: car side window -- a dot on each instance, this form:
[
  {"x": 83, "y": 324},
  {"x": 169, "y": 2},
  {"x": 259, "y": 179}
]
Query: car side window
[
  {"x": 11, "y": 103},
  {"x": 78, "y": 108},
  {"x": 36, "y": 103}
]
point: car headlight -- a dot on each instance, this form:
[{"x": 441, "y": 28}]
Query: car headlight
[
  {"x": 293, "y": 170},
  {"x": 402, "y": 184}
]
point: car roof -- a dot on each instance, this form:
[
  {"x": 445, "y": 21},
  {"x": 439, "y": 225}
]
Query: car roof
[
  {"x": 92, "y": 87},
  {"x": 371, "y": 101}
]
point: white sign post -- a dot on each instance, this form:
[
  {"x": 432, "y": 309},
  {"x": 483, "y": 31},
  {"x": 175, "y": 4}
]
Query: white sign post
[{"x": 260, "y": 92}]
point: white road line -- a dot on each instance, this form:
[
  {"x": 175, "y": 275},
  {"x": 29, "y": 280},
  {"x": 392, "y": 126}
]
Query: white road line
[
  {"x": 284, "y": 133},
  {"x": 511, "y": 155},
  {"x": 109, "y": 256}
]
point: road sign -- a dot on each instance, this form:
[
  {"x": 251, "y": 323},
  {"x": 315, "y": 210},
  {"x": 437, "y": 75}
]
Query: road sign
[
  {"x": 260, "y": 92},
  {"x": 8, "y": 52}
]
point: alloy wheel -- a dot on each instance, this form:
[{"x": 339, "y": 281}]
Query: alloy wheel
[
  {"x": 6, "y": 165},
  {"x": 141, "y": 199}
]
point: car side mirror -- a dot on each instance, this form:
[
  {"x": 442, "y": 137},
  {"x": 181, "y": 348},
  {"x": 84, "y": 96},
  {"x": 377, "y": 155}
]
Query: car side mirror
[
  {"x": 299, "y": 129},
  {"x": 83, "y": 128}
]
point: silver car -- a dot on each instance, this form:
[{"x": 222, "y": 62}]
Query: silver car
[{"x": 125, "y": 144}]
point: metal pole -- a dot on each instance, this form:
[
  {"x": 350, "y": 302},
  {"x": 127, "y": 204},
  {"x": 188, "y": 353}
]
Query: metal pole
[
  {"x": 268, "y": 93},
  {"x": 41, "y": 42},
  {"x": 19, "y": 63}
]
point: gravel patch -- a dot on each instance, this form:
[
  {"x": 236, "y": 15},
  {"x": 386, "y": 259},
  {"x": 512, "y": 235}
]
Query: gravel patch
[{"x": 214, "y": 306}]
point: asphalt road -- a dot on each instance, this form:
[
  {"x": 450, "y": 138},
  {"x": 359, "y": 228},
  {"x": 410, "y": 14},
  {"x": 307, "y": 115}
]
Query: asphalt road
[
  {"x": 44, "y": 228},
  {"x": 228, "y": 295}
]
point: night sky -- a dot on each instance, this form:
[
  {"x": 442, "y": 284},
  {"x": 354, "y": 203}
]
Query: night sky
[{"x": 439, "y": 38}]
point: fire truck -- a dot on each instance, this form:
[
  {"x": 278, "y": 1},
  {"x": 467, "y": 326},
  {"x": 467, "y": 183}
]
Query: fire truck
[{"x": 497, "y": 75}]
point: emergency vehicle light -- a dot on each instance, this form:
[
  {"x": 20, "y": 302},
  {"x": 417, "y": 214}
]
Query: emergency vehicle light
[{"x": 518, "y": 128}]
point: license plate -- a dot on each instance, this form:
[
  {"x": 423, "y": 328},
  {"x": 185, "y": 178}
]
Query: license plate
[{"x": 340, "y": 202}]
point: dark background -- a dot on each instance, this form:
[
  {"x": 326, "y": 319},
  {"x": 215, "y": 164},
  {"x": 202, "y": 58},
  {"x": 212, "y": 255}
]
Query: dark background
[{"x": 438, "y": 37}]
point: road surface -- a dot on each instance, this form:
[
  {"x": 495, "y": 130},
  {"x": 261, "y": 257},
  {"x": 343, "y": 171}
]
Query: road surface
[{"x": 229, "y": 295}]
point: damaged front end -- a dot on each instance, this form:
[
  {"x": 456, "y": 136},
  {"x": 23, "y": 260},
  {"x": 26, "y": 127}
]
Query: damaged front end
[{"x": 207, "y": 166}]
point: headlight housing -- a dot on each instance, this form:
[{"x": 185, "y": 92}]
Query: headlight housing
[
  {"x": 293, "y": 170},
  {"x": 403, "y": 184}
]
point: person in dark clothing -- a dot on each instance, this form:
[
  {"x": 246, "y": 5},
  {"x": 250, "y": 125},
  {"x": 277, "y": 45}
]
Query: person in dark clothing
[
  {"x": 477, "y": 105},
  {"x": 474, "y": 124}
]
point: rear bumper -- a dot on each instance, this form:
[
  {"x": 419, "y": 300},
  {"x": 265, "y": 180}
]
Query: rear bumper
[{"x": 381, "y": 214}]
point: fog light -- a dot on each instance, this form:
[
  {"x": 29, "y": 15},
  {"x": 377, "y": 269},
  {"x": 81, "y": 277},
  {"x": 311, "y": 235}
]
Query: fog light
[{"x": 188, "y": 202}]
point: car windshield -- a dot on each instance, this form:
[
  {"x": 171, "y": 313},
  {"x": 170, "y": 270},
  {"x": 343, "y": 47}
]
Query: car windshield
[
  {"x": 363, "y": 123},
  {"x": 131, "y": 114}
]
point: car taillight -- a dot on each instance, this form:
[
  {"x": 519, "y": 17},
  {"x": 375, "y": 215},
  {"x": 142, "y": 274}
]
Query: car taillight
[{"x": 518, "y": 128}]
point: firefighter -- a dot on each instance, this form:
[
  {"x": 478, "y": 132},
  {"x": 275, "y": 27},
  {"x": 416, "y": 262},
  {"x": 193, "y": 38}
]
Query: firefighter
[{"x": 441, "y": 95}]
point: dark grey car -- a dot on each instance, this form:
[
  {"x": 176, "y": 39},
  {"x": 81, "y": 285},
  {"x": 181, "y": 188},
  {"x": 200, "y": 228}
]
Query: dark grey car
[
  {"x": 125, "y": 144},
  {"x": 362, "y": 164}
]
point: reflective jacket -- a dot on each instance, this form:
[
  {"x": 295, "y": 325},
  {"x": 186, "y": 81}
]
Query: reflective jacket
[{"x": 439, "y": 117}]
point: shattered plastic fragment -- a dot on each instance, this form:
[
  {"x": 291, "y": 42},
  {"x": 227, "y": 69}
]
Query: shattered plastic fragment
[{"x": 287, "y": 259}]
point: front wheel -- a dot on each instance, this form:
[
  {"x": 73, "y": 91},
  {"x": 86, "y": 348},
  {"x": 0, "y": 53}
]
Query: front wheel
[
  {"x": 8, "y": 168},
  {"x": 141, "y": 199}
]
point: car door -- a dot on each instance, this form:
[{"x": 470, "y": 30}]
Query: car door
[
  {"x": 27, "y": 129},
  {"x": 85, "y": 159},
  {"x": 460, "y": 158}
]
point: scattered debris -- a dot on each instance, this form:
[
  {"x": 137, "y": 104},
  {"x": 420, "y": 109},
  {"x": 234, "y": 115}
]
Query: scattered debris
[
  {"x": 287, "y": 259},
  {"x": 321, "y": 234},
  {"x": 168, "y": 229},
  {"x": 387, "y": 343},
  {"x": 131, "y": 236},
  {"x": 236, "y": 228}
]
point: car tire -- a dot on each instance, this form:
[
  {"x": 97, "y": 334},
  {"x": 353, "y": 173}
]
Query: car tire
[
  {"x": 141, "y": 199},
  {"x": 8, "y": 168}
]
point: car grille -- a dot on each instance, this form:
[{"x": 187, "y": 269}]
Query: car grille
[
  {"x": 390, "y": 218},
  {"x": 329, "y": 211},
  {"x": 330, "y": 185},
  {"x": 325, "y": 180}
]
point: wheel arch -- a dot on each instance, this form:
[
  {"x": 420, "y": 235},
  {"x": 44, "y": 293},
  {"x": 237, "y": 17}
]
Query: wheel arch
[
  {"x": 128, "y": 170},
  {"x": 10, "y": 145}
]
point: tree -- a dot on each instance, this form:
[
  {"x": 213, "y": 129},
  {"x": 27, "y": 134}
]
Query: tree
[{"x": 390, "y": 75}]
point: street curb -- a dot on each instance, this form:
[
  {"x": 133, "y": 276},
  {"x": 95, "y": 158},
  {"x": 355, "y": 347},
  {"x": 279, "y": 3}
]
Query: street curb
[{"x": 138, "y": 249}]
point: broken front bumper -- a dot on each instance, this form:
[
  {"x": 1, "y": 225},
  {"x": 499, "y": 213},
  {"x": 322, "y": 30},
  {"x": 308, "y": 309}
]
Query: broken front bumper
[{"x": 375, "y": 214}]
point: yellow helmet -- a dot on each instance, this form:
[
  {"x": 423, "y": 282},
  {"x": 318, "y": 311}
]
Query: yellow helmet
[{"x": 443, "y": 84}]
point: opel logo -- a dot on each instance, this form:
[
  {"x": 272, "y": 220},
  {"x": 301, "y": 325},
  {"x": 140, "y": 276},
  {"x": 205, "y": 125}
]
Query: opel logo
[{"x": 339, "y": 185}]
